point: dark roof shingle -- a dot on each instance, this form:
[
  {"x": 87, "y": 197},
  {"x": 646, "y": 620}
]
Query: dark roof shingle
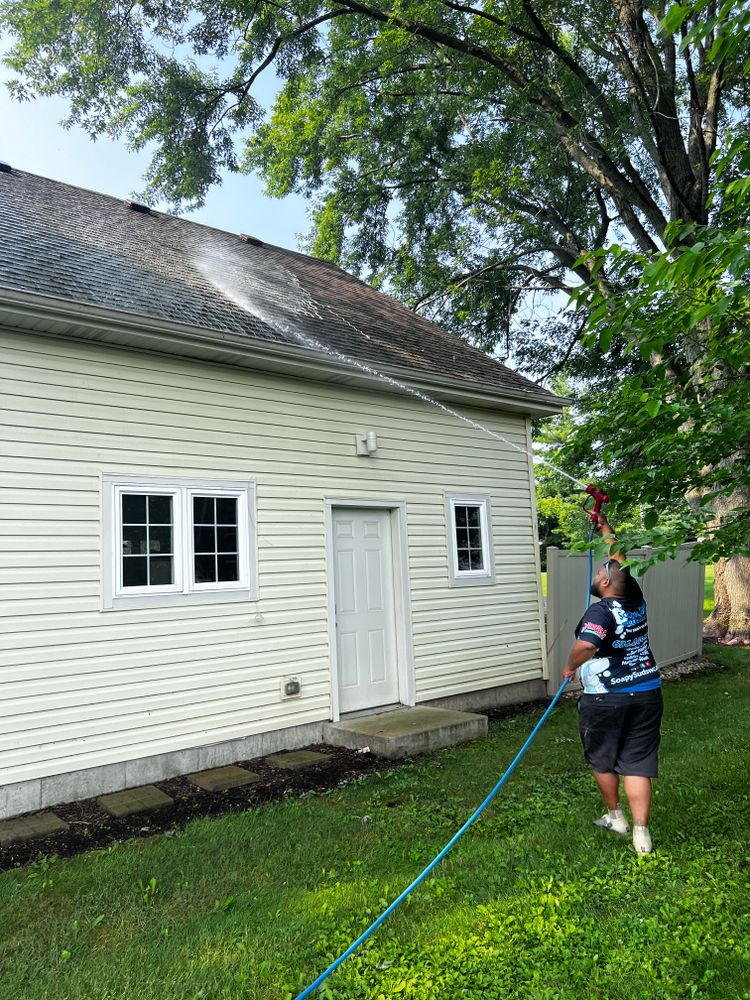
[{"x": 89, "y": 248}]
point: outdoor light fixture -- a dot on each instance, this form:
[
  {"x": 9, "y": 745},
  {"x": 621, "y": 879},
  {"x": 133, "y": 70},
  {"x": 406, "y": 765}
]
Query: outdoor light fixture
[{"x": 367, "y": 443}]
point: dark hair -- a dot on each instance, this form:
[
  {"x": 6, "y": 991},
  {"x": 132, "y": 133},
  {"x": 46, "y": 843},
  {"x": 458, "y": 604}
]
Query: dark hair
[{"x": 619, "y": 577}]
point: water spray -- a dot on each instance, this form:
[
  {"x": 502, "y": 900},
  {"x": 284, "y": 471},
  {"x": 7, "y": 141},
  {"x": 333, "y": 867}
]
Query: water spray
[{"x": 280, "y": 312}]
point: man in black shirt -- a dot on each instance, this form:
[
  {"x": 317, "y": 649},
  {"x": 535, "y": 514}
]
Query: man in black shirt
[{"x": 620, "y": 709}]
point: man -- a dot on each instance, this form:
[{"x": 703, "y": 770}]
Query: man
[{"x": 621, "y": 707}]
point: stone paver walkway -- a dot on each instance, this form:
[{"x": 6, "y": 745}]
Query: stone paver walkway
[
  {"x": 291, "y": 760},
  {"x": 131, "y": 801},
  {"x": 34, "y": 827},
  {"x": 134, "y": 800},
  {"x": 219, "y": 779}
]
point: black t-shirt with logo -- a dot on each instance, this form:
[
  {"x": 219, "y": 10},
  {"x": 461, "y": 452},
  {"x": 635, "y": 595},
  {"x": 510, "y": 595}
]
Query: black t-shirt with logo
[{"x": 618, "y": 628}]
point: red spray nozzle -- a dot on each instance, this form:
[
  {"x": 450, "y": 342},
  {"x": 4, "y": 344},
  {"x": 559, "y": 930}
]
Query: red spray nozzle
[{"x": 599, "y": 499}]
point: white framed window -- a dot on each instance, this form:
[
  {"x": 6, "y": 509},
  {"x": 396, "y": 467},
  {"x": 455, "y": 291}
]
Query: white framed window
[
  {"x": 176, "y": 541},
  {"x": 469, "y": 539}
]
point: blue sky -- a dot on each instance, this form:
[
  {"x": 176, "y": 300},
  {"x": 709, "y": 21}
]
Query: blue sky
[{"x": 32, "y": 139}]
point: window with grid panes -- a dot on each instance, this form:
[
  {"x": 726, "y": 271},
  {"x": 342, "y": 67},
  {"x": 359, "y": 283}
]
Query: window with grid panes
[
  {"x": 176, "y": 541},
  {"x": 215, "y": 539},
  {"x": 470, "y": 552},
  {"x": 146, "y": 529},
  {"x": 469, "y": 549}
]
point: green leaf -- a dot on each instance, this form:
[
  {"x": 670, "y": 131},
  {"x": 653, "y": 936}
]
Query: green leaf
[
  {"x": 674, "y": 18},
  {"x": 651, "y": 519},
  {"x": 605, "y": 339}
]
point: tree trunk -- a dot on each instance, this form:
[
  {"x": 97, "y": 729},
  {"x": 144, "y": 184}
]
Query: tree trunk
[{"x": 729, "y": 622}]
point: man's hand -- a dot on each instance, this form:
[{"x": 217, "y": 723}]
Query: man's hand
[{"x": 605, "y": 528}]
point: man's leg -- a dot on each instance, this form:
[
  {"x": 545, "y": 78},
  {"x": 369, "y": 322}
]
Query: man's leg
[
  {"x": 600, "y": 721},
  {"x": 639, "y": 762},
  {"x": 614, "y": 818},
  {"x": 638, "y": 791},
  {"x": 609, "y": 786}
]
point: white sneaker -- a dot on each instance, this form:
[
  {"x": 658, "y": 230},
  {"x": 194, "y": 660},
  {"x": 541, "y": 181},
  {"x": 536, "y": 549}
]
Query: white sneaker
[
  {"x": 642, "y": 840},
  {"x": 615, "y": 822}
]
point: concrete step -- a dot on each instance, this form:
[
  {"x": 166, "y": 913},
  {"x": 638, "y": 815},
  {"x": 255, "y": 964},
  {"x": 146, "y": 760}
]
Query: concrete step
[{"x": 406, "y": 731}]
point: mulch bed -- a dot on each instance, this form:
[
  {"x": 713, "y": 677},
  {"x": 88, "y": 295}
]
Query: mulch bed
[{"x": 91, "y": 827}]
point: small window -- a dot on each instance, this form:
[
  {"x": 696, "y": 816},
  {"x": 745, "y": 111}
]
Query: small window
[
  {"x": 215, "y": 540},
  {"x": 469, "y": 543},
  {"x": 147, "y": 531},
  {"x": 176, "y": 541}
]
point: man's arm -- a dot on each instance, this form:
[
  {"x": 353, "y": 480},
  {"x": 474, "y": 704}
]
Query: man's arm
[
  {"x": 579, "y": 654},
  {"x": 608, "y": 535}
]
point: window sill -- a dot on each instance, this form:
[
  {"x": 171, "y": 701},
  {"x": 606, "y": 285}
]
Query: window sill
[
  {"x": 471, "y": 581},
  {"x": 178, "y": 600}
]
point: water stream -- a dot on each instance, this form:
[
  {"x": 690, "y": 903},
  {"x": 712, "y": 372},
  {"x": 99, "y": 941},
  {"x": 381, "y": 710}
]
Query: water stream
[{"x": 278, "y": 299}]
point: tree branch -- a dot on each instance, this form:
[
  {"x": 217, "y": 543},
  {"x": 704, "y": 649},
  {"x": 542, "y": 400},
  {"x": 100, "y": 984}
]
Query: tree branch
[
  {"x": 662, "y": 111},
  {"x": 589, "y": 154},
  {"x": 575, "y": 339},
  {"x": 280, "y": 40}
]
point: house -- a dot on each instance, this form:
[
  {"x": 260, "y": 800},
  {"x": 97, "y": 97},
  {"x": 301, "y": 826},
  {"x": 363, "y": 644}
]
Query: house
[{"x": 218, "y": 532}]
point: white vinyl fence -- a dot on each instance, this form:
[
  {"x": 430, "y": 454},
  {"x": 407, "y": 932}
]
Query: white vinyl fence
[{"x": 673, "y": 592}]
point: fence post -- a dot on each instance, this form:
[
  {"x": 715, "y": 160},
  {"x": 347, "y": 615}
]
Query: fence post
[{"x": 553, "y": 612}]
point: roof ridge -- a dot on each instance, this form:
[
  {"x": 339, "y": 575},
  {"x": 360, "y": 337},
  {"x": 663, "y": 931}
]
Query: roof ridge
[{"x": 155, "y": 211}]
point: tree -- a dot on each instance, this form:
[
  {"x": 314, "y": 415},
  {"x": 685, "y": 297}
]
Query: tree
[
  {"x": 460, "y": 153},
  {"x": 465, "y": 156},
  {"x": 688, "y": 417}
]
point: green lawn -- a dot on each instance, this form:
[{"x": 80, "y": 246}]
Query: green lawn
[
  {"x": 708, "y": 591},
  {"x": 534, "y": 902}
]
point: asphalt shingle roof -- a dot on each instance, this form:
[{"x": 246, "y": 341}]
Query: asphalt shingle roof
[{"x": 92, "y": 249}]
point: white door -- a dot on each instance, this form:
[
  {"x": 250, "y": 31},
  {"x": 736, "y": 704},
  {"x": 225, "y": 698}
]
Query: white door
[{"x": 365, "y": 611}]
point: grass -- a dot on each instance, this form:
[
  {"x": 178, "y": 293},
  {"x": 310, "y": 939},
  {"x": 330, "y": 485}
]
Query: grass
[
  {"x": 533, "y": 903},
  {"x": 708, "y": 591}
]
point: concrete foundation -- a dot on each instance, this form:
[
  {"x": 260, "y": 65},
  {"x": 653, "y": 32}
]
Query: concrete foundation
[
  {"x": 40, "y": 793},
  {"x": 505, "y": 694},
  {"x": 31, "y": 796}
]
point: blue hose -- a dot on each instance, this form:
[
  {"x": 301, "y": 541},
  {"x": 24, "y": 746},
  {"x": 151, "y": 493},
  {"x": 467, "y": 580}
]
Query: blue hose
[
  {"x": 420, "y": 878},
  {"x": 474, "y": 816}
]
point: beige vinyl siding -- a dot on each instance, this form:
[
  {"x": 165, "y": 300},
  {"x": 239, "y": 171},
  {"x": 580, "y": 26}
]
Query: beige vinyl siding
[{"x": 81, "y": 687}]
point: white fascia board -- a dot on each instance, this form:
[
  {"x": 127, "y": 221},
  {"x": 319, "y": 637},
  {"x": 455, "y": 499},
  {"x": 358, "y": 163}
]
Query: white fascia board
[{"x": 166, "y": 337}]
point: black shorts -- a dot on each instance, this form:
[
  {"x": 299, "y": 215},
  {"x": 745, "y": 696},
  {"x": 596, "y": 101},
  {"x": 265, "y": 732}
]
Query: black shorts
[{"x": 620, "y": 732}]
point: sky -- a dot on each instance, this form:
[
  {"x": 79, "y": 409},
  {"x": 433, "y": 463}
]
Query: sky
[{"x": 32, "y": 140}]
